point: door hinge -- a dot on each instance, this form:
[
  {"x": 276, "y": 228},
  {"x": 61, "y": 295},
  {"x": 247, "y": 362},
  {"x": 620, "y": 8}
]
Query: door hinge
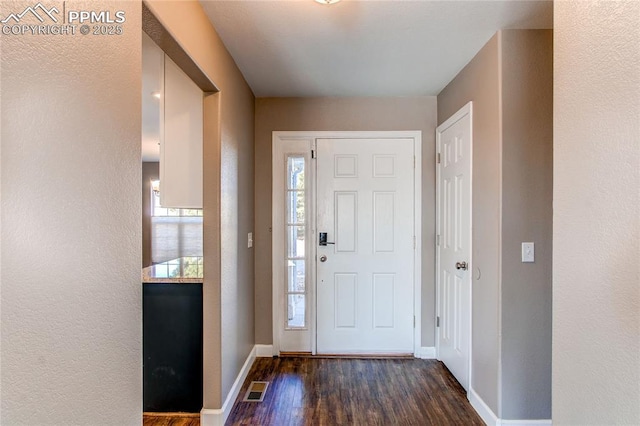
[
  {"x": 414, "y": 321},
  {"x": 414, "y": 242},
  {"x": 437, "y": 321},
  {"x": 438, "y": 240},
  {"x": 313, "y": 153},
  {"x": 414, "y": 161},
  {"x": 438, "y": 158}
]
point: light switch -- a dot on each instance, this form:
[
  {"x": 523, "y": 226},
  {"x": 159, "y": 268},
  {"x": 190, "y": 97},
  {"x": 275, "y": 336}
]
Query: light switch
[
  {"x": 250, "y": 240},
  {"x": 528, "y": 252}
]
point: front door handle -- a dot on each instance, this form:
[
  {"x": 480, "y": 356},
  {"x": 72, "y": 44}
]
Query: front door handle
[
  {"x": 462, "y": 265},
  {"x": 322, "y": 239},
  {"x": 323, "y": 258}
]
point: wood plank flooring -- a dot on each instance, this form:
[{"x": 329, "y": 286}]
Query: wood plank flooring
[
  {"x": 316, "y": 391},
  {"x": 170, "y": 419}
]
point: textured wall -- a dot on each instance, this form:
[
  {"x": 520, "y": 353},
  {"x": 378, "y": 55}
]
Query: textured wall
[
  {"x": 527, "y": 192},
  {"x": 71, "y": 225},
  {"x": 230, "y": 337},
  {"x": 596, "y": 221},
  {"x": 417, "y": 113},
  {"x": 479, "y": 82}
]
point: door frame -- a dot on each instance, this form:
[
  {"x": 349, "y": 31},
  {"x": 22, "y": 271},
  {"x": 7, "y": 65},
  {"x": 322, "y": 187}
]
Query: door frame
[
  {"x": 277, "y": 215},
  {"x": 467, "y": 109}
]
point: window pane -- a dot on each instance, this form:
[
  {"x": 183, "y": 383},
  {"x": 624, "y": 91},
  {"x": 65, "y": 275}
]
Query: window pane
[
  {"x": 295, "y": 173},
  {"x": 191, "y": 212},
  {"x": 295, "y": 273},
  {"x": 295, "y": 241},
  {"x": 296, "y": 310},
  {"x": 173, "y": 237},
  {"x": 295, "y": 207},
  {"x": 192, "y": 267}
]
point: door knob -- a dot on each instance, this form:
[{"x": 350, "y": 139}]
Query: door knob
[
  {"x": 462, "y": 265},
  {"x": 323, "y": 258}
]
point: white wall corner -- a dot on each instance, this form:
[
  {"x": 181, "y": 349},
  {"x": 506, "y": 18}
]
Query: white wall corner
[
  {"x": 218, "y": 416},
  {"x": 482, "y": 409},
  {"x": 426, "y": 352},
  {"x": 264, "y": 351}
]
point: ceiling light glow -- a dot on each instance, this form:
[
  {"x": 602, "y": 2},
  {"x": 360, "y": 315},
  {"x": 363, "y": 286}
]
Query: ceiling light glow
[{"x": 327, "y": 1}]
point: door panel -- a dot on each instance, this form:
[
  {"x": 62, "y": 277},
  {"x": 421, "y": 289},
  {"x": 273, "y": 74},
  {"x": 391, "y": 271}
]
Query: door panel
[
  {"x": 365, "y": 285},
  {"x": 454, "y": 230}
]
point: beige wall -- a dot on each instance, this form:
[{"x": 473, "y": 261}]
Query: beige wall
[
  {"x": 510, "y": 83},
  {"x": 150, "y": 171},
  {"x": 596, "y": 222},
  {"x": 71, "y": 225},
  {"x": 527, "y": 193},
  {"x": 479, "y": 82},
  {"x": 228, "y": 198},
  {"x": 272, "y": 114}
]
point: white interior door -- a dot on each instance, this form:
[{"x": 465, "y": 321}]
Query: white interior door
[
  {"x": 454, "y": 146},
  {"x": 365, "y": 204}
]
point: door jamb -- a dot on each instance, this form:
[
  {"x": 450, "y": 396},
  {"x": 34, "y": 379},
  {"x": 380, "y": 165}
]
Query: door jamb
[{"x": 416, "y": 135}]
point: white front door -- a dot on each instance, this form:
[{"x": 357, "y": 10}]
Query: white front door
[
  {"x": 365, "y": 273},
  {"x": 454, "y": 143}
]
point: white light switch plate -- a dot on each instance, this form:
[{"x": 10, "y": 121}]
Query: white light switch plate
[
  {"x": 250, "y": 240},
  {"x": 528, "y": 252}
]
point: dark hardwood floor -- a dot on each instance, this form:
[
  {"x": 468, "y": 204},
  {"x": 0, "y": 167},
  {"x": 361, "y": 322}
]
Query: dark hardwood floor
[{"x": 317, "y": 391}]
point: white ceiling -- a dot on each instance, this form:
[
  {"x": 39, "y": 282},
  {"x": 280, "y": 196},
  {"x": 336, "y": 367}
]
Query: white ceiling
[{"x": 362, "y": 47}]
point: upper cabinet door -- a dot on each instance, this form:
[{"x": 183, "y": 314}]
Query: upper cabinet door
[
  {"x": 181, "y": 140},
  {"x": 152, "y": 83}
]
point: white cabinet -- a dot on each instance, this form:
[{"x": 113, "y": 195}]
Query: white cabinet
[{"x": 181, "y": 128}]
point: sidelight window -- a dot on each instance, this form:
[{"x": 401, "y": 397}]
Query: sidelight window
[{"x": 296, "y": 239}]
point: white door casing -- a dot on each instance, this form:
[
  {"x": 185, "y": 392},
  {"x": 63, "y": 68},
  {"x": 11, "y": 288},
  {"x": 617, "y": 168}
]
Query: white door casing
[
  {"x": 294, "y": 142},
  {"x": 453, "y": 251},
  {"x": 365, "y": 275}
]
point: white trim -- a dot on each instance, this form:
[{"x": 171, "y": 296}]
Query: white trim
[
  {"x": 545, "y": 422},
  {"x": 211, "y": 417},
  {"x": 218, "y": 416},
  {"x": 264, "y": 351},
  {"x": 426, "y": 352},
  {"x": 489, "y": 417},
  {"x": 304, "y": 338},
  {"x": 416, "y": 135},
  {"x": 483, "y": 410},
  {"x": 417, "y": 233}
]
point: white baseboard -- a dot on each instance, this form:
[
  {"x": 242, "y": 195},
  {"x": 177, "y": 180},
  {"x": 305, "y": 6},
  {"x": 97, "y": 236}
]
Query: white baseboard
[
  {"x": 483, "y": 410},
  {"x": 217, "y": 416},
  {"x": 545, "y": 422},
  {"x": 212, "y": 417},
  {"x": 489, "y": 417},
  {"x": 426, "y": 352},
  {"x": 264, "y": 351}
]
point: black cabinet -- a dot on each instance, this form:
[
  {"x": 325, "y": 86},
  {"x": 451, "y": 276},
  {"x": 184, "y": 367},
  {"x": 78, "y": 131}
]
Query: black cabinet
[{"x": 172, "y": 347}]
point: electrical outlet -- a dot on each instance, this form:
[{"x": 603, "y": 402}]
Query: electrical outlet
[
  {"x": 250, "y": 240},
  {"x": 528, "y": 253}
]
